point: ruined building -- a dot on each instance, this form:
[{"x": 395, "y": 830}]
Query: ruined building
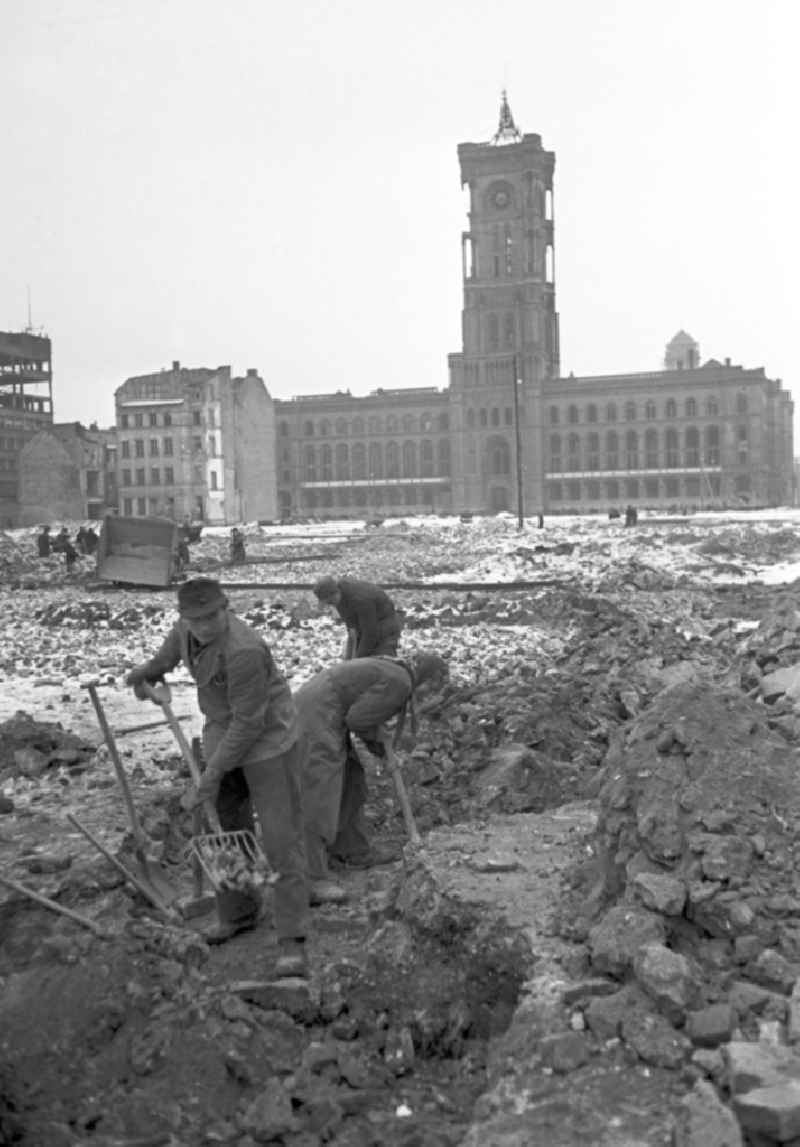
[
  {"x": 63, "y": 475},
  {"x": 694, "y": 434},
  {"x": 26, "y": 407},
  {"x": 196, "y": 443}
]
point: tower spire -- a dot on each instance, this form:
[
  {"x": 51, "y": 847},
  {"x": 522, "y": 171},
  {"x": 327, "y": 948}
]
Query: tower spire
[{"x": 507, "y": 130}]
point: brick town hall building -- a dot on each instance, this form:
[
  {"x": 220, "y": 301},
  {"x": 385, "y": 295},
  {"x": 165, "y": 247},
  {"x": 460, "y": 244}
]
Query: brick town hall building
[{"x": 694, "y": 434}]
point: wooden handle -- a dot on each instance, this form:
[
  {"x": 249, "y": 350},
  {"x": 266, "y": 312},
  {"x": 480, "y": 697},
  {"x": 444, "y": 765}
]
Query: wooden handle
[
  {"x": 402, "y": 795},
  {"x": 108, "y": 736},
  {"x": 46, "y": 902},
  {"x": 143, "y": 889},
  {"x": 186, "y": 752}
]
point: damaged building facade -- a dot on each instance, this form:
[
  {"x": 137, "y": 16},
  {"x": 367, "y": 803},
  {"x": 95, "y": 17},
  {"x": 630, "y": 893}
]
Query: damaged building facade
[
  {"x": 63, "y": 475},
  {"x": 26, "y": 407},
  {"x": 195, "y": 443},
  {"x": 695, "y": 434}
]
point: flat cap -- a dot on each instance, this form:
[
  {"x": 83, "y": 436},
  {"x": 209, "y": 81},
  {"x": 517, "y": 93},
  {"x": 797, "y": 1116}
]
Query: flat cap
[{"x": 200, "y": 597}]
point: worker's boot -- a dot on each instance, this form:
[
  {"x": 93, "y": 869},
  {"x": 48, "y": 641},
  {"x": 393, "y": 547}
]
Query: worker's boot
[
  {"x": 236, "y": 912},
  {"x": 292, "y": 959}
]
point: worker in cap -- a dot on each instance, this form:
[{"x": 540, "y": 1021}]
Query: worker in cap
[
  {"x": 351, "y": 699},
  {"x": 373, "y": 623},
  {"x": 250, "y": 741}
]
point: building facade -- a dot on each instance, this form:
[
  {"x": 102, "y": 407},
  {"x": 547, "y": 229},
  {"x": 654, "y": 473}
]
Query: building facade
[
  {"x": 195, "y": 443},
  {"x": 62, "y": 475},
  {"x": 509, "y": 429},
  {"x": 26, "y": 407}
]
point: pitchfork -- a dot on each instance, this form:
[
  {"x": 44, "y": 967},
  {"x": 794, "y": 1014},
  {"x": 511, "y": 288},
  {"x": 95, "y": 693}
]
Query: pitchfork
[{"x": 230, "y": 858}]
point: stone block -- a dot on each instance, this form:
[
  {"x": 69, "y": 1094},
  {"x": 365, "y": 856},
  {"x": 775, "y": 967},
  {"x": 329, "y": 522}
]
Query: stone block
[
  {"x": 293, "y": 996},
  {"x": 655, "y": 1040},
  {"x": 668, "y": 978},
  {"x": 746, "y": 998},
  {"x": 772, "y": 1111},
  {"x": 605, "y": 1014},
  {"x": 661, "y": 893},
  {"x": 711, "y": 1026},
  {"x": 270, "y": 1114},
  {"x": 564, "y": 1051},
  {"x": 616, "y": 939},
  {"x": 588, "y": 989},
  {"x": 704, "y": 1121},
  {"x": 758, "y": 1065}
]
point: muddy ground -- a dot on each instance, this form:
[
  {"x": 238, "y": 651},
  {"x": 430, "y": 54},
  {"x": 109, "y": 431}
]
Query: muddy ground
[{"x": 507, "y": 983}]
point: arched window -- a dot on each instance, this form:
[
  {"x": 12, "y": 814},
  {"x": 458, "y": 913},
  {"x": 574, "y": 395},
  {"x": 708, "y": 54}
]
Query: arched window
[
  {"x": 671, "y": 408},
  {"x": 310, "y": 464},
  {"x": 359, "y": 460},
  {"x": 444, "y": 457},
  {"x": 308, "y": 429},
  {"x": 650, "y": 410},
  {"x": 409, "y": 424},
  {"x": 554, "y": 416},
  {"x": 375, "y": 460},
  {"x": 555, "y": 453},
  {"x": 498, "y": 456},
  {"x": 691, "y": 446},
  {"x": 426, "y": 458},
  {"x": 612, "y": 450},
  {"x": 593, "y": 451},
  {"x": 470, "y": 419},
  {"x": 443, "y": 420},
  {"x": 651, "y": 449},
  {"x": 341, "y": 426},
  {"x": 495, "y": 416},
  {"x": 712, "y": 407},
  {"x": 392, "y": 460},
  {"x": 358, "y": 425},
  {"x": 374, "y": 424},
  {"x": 493, "y": 332},
  {"x": 711, "y": 445},
  {"x": 573, "y": 452},
  {"x": 482, "y": 418},
  {"x": 342, "y": 461},
  {"x": 573, "y": 415},
  {"x": 325, "y": 428},
  {"x": 611, "y": 412},
  {"x": 630, "y": 411},
  {"x": 409, "y": 460},
  {"x": 591, "y": 412},
  {"x": 690, "y": 408},
  {"x": 425, "y": 423},
  {"x": 391, "y": 423},
  {"x": 283, "y": 429},
  {"x": 673, "y": 454},
  {"x": 327, "y": 463},
  {"x": 632, "y": 450}
]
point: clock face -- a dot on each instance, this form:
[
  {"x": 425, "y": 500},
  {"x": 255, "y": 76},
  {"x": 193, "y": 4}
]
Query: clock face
[{"x": 501, "y": 199}]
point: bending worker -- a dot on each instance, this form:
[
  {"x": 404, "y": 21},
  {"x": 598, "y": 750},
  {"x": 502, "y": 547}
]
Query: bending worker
[
  {"x": 251, "y": 748},
  {"x": 350, "y": 698},
  {"x": 373, "y": 624}
]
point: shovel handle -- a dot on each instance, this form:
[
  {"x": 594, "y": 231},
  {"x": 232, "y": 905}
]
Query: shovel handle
[
  {"x": 402, "y": 796},
  {"x": 186, "y": 752},
  {"x": 118, "y": 767},
  {"x": 141, "y": 888},
  {"x": 46, "y": 902}
]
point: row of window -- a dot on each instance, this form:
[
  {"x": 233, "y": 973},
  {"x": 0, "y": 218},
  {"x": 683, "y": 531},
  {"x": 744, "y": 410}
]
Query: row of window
[
  {"x": 344, "y": 498},
  {"x": 392, "y": 424},
  {"x": 151, "y": 418},
  {"x": 11, "y": 443},
  {"x": 591, "y": 412},
  {"x": 321, "y": 464},
  {"x": 651, "y": 489},
  {"x": 665, "y": 451},
  {"x": 135, "y": 448},
  {"x": 139, "y": 477},
  {"x": 484, "y": 417}
]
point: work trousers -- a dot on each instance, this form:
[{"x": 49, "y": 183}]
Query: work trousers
[
  {"x": 272, "y": 788},
  {"x": 351, "y": 841}
]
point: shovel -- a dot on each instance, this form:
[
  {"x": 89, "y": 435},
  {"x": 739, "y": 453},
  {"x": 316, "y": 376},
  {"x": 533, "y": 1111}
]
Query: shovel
[{"x": 150, "y": 870}]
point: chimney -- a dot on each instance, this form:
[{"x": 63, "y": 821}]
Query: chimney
[
  {"x": 727, "y": 362},
  {"x": 252, "y": 372},
  {"x": 176, "y": 364}
]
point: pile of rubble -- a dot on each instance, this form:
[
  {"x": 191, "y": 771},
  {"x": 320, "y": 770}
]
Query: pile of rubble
[
  {"x": 689, "y": 910},
  {"x": 97, "y": 614},
  {"x": 28, "y": 748}
]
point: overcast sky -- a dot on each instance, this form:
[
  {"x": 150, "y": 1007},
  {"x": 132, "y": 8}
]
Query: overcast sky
[{"x": 275, "y": 185}]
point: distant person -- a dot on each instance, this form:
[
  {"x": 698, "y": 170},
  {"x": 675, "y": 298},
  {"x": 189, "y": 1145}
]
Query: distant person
[
  {"x": 44, "y": 542},
  {"x": 70, "y": 555},
  {"x": 238, "y": 553},
  {"x": 373, "y": 623},
  {"x": 80, "y": 540},
  {"x": 61, "y": 541},
  {"x": 91, "y": 540}
]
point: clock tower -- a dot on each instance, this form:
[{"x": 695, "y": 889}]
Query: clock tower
[{"x": 509, "y": 320}]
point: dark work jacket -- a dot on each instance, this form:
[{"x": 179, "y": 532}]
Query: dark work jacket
[
  {"x": 244, "y": 698},
  {"x": 368, "y": 610}
]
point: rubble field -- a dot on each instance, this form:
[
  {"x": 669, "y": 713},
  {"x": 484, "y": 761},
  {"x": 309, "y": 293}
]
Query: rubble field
[{"x": 598, "y": 941}]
